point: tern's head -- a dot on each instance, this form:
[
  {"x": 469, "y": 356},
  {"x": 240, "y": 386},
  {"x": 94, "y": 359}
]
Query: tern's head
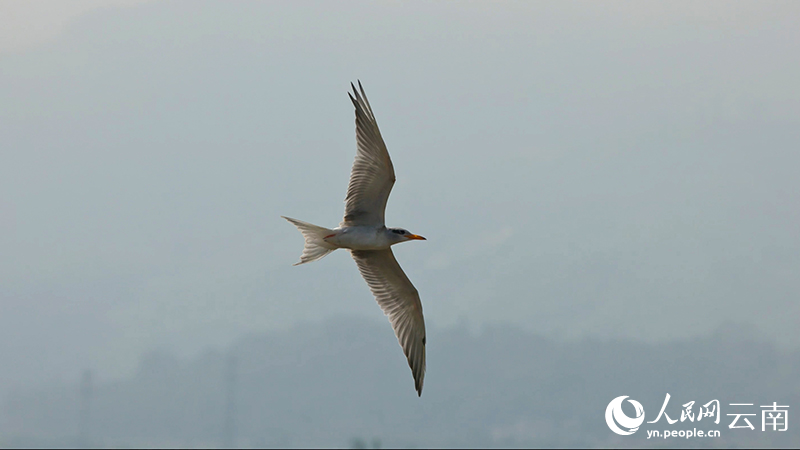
[{"x": 401, "y": 235}]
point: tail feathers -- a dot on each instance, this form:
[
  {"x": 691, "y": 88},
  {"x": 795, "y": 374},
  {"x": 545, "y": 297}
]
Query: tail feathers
[{"x": 316, "y": 247}]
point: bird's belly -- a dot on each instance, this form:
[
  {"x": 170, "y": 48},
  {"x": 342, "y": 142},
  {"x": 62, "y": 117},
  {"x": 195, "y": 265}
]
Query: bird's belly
[{"x": 358, "y": 238}]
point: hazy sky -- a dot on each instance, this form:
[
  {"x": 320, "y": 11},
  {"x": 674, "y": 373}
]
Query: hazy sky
[{"x": 580, "y": 169}]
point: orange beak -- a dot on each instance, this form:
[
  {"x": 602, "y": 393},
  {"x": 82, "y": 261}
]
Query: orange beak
[{"x": 416, "y": 236}]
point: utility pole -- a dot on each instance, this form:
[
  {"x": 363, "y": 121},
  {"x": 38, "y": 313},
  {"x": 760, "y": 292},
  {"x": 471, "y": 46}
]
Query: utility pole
[
  {"x": 84, "y": 413},
  {"x": 229, "y": 425}
]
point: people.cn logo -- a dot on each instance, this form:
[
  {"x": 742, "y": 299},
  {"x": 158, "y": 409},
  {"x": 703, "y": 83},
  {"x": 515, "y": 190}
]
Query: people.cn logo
[{"x": 618, "y": 421}]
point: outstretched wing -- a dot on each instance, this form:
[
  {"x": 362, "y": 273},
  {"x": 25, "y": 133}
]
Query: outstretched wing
[
  {"x": 372, "y": 176},
  {"x": 399, "y": 300}
]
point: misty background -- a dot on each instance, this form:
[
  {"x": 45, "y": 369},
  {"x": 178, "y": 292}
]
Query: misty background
[{"x": 606, "y": 189}]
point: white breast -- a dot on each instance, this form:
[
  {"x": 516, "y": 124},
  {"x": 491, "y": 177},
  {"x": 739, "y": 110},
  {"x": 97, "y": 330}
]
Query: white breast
[{"x": 360, "y": 238}]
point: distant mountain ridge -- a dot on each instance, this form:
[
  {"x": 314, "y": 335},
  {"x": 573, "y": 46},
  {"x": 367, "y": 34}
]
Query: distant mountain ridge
[{"x": 345, "y": 382}]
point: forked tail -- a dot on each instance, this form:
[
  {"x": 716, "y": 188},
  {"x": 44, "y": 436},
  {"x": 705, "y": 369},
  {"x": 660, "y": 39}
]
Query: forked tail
[{"x": 316, "y": 247}]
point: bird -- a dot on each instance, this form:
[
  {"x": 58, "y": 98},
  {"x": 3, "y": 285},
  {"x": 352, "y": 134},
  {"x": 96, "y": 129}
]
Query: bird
[{"x": 364, "y": 233}]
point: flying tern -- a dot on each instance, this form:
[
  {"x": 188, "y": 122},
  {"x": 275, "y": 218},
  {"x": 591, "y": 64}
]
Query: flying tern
[{"x": 365, "y": 234}]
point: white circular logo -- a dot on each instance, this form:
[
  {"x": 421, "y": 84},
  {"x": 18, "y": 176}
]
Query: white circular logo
[{"x": 618, "y": 421}]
